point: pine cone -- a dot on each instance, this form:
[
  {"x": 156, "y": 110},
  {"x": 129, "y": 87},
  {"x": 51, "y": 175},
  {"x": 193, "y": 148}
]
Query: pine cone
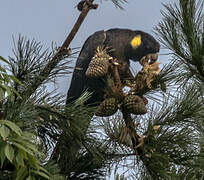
[
  {"x": 107, "y": 108},
  {"x": 99, "y": 64},
  {"x": 134, "y": 104}
]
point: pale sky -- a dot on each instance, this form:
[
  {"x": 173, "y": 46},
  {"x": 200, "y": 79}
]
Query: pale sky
[{"x": 51, "y": 20}]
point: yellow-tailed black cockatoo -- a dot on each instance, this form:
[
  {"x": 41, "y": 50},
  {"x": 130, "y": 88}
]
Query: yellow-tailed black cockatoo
[{"x": 126, "y": 45}]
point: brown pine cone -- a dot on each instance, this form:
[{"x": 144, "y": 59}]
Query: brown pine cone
[
  {"x": 107, "y": 108},
  {"x": 134, "y": 104},
  {"x": 99, "y": 64}
]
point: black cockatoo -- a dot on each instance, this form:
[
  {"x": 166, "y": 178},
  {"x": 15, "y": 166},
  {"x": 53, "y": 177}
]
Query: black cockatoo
[{"x": 126, "y": 45}]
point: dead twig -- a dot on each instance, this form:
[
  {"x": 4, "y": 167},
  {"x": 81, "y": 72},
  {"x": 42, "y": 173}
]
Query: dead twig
[{"x": 55, "y": 60}]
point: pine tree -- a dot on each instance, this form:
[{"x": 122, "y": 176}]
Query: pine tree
[{"x": 33, "y": 119}]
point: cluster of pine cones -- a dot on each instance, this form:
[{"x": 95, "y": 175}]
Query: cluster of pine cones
[
  {"x": 98, "y": 67},
  {"x": 131, "y": 103}
]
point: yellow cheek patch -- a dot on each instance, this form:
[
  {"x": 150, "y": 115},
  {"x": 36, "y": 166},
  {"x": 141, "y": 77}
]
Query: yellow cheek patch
[{"x": 136, "y": 41}]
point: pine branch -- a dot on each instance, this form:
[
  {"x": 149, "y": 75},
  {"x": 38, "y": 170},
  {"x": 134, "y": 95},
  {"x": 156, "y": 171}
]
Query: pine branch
[
  {"x": 127, "y": 116},
  {"x": 172, "y": 134},
  {"x": 29, "y": 60},
  {"x": 182, "y": 32}
]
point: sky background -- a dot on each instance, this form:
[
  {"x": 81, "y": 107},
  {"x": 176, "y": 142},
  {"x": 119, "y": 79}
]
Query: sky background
[{"x": 51, "y": 20}]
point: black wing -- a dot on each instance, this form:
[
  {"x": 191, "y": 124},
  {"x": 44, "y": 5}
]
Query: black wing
[{"x": 79, "y": 80}]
